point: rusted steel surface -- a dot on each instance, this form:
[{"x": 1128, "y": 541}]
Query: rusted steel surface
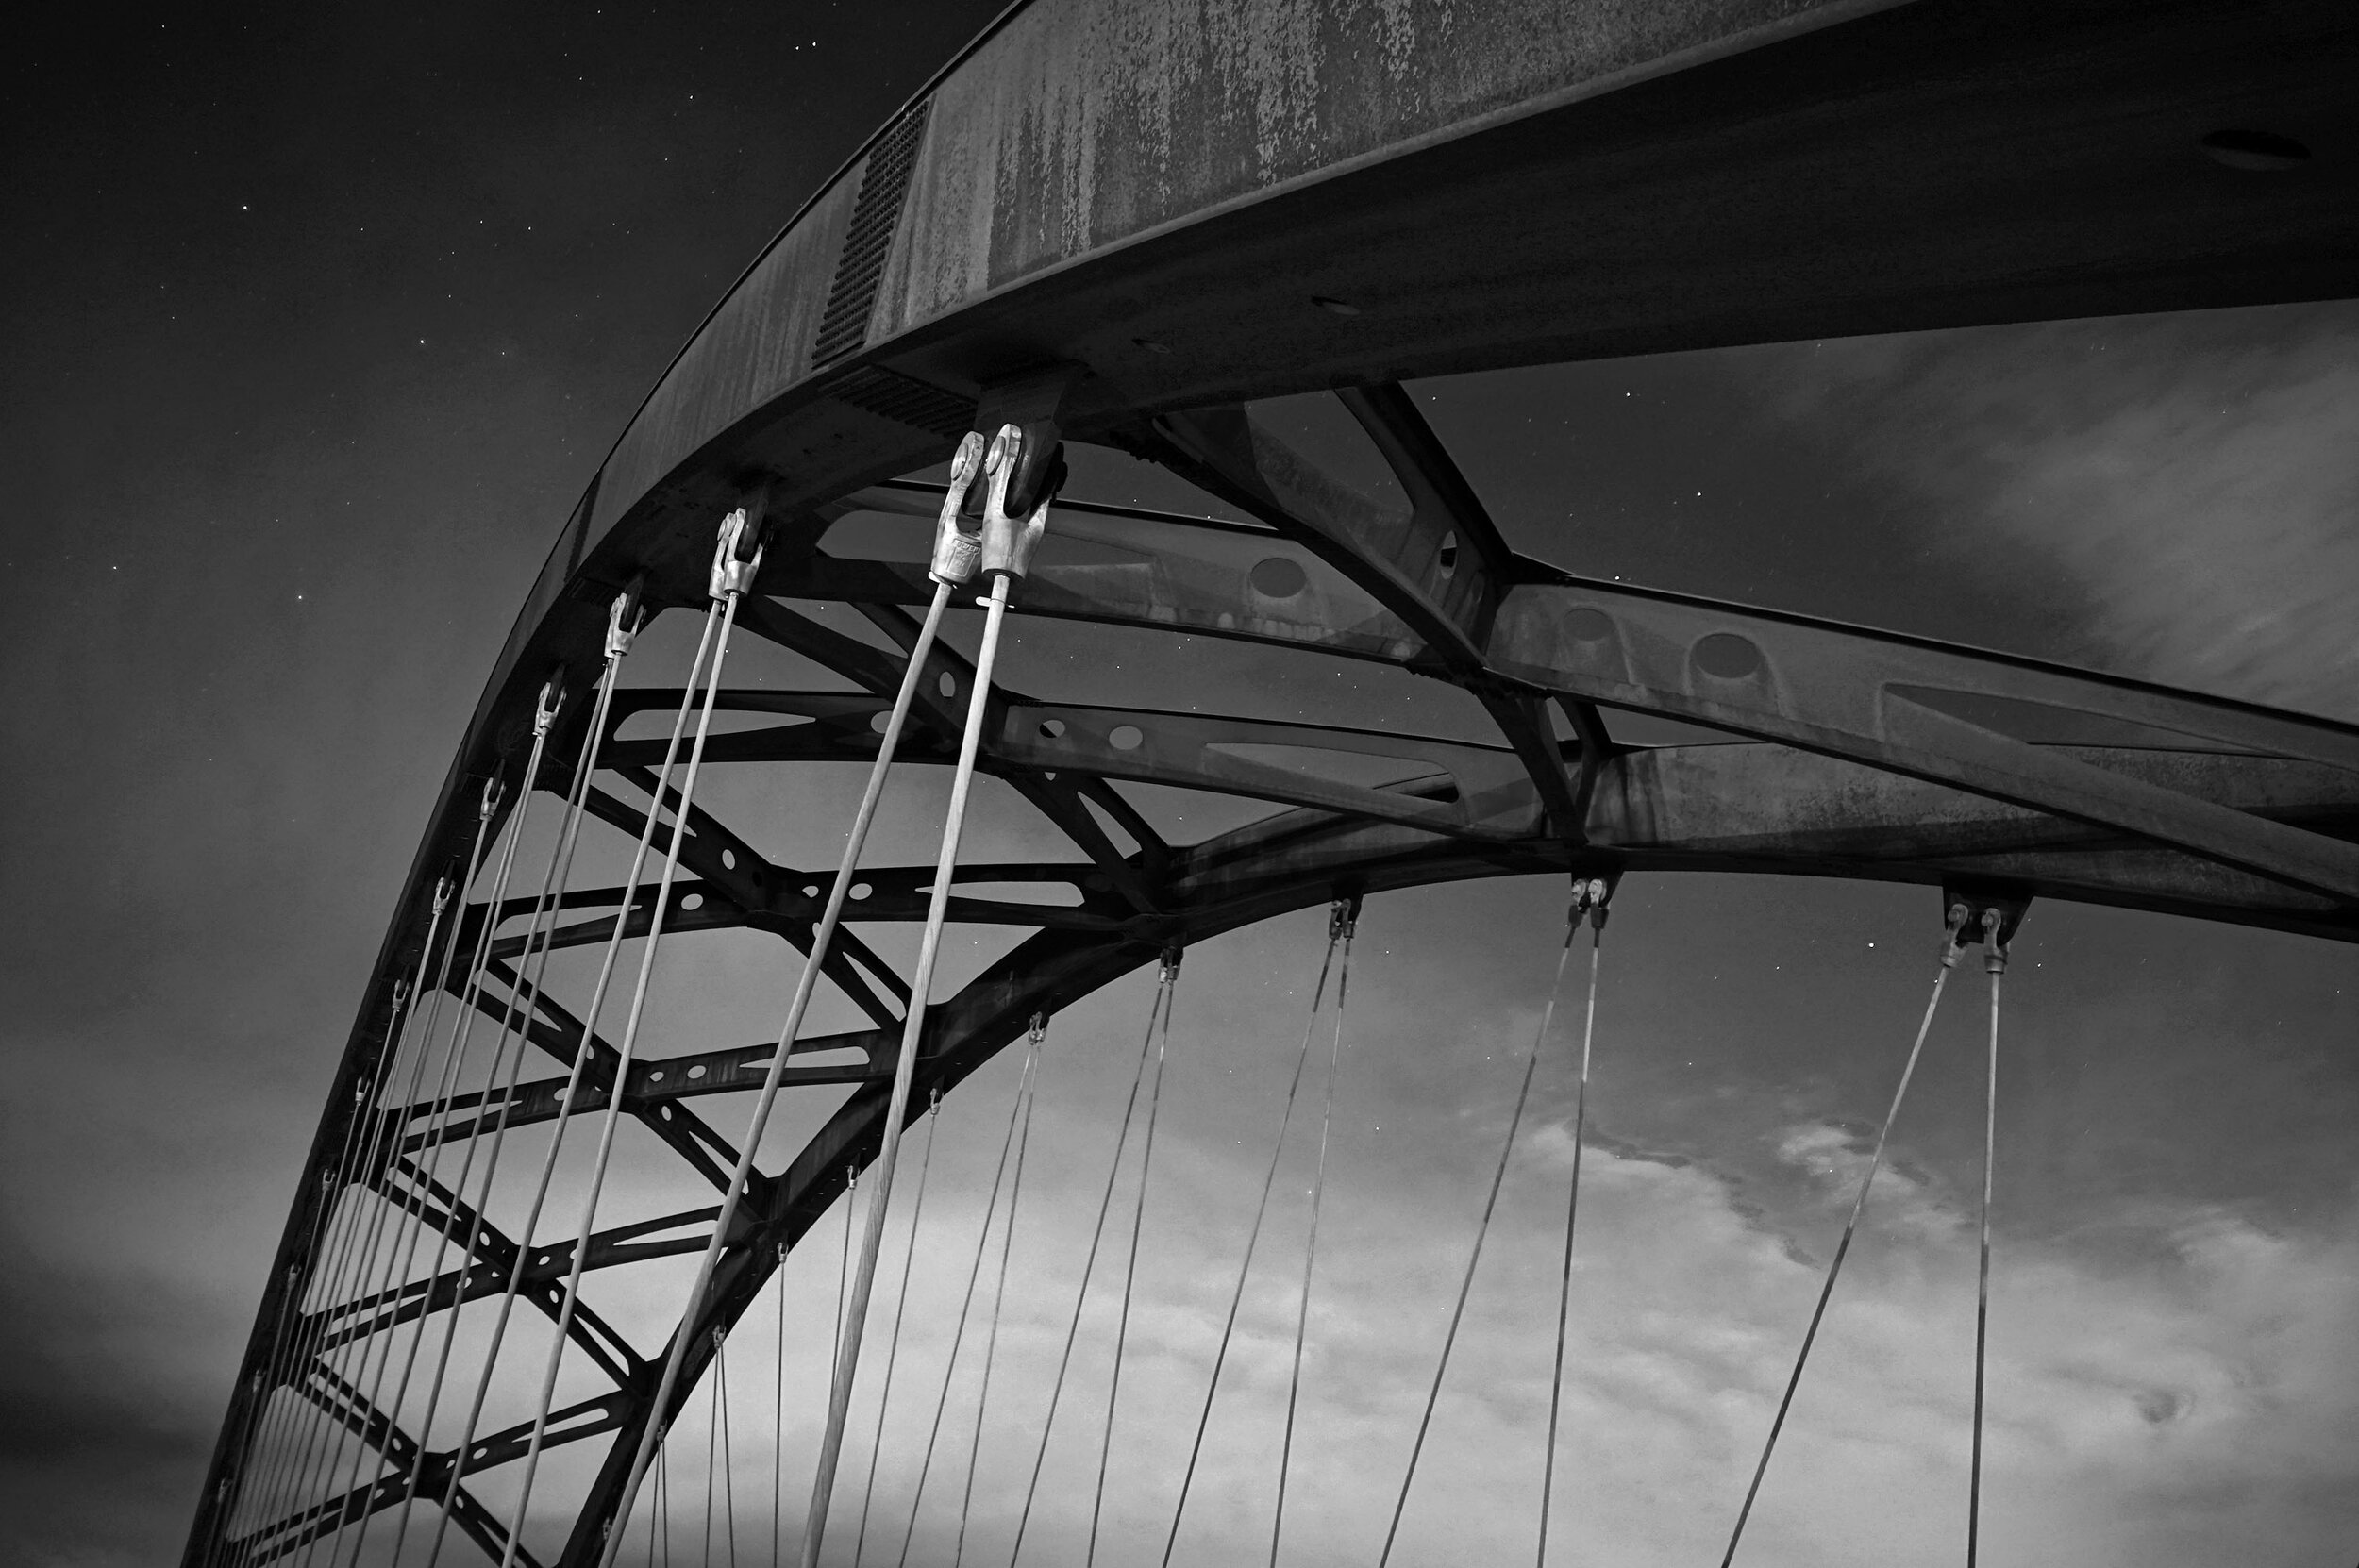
[
  {"x": 1160, "y": 212},
  {"x": 1080, "y": 126},
  {"x": 1580, "y": 180}
]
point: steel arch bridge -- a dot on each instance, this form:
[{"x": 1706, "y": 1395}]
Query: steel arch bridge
[{"x": 1122, "y": 226}]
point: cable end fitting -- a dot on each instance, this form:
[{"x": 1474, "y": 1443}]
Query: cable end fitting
[
  {"x": 1994, "y": 944},
  {"x": 1989, "y": 913},
  {"x": 736, "y": 555},
  {"x": 1008, "y": 542},
  {"x": 956, "y": 551},
  {"x": 623, "y": 618},
  {"x": 1953, "y": 934},
  {"x": 1589, "y": 897},
  {"x": 1343, "y": 917},
  {"x": 552, "y": 702}
]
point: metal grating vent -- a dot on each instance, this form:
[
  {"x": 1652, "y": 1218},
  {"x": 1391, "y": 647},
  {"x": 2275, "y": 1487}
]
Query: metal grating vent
[
  {"x": 876, "y": 214},
  {"x": 892, "y": 396}
]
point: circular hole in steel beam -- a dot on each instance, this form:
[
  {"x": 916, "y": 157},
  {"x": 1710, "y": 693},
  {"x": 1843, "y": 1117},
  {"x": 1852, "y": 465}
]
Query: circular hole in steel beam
[
  {"x": 698, "y": 1072},
  {"x": 1126, "y": 736},
  {"x": 1589, "y": 626},
  {"x": 861, "y": 891},
  {"x": 948, "y": 684},
  {"x": 811, "y": 889},
  {"x": 1446, "y": 557},
  {"x": 1726, "y": 656},
  {"x": 1052, "y": 730},
  {"x": 694, "y": 901},
  {"x": 728, "y": 859},
  {"x": 655, "y": 1076},
  {"x": 2254, "y": 151},
  {"x": 878, "y": 721},
  {"x": 1277, "y": 578}
]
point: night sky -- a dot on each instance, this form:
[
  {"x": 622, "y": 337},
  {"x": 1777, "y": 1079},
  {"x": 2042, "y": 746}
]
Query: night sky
[{"x": 317, "y": 324}]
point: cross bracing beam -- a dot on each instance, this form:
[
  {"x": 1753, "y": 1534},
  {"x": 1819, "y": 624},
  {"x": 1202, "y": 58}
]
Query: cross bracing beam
[
  {"x": 584, "y": 1419},
  {"x": 347, "y": 1407},
  {"x": 444, "y": 1214},
  {"x": 560, "y": 1034},
  {"x": 1742, "y": 172},
  {"x": 1906, "y": 704}
]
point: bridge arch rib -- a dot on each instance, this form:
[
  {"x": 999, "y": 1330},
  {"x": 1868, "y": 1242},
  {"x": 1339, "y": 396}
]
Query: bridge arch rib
[{"x": 1135, "y": 235}]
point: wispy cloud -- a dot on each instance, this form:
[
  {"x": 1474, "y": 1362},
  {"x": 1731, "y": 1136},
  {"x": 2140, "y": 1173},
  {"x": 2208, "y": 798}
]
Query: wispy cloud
[
  {"x": 2172, "y": 1409},
  {"x": 2198, "y": 475}
]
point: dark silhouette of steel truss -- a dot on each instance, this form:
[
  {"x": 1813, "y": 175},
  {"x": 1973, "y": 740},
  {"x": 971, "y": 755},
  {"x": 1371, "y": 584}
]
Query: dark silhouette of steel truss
[{"x": 1854, "y": 752}]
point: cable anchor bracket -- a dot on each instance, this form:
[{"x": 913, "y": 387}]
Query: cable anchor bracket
[
  {"x": 1589, "y": 897},
  {"x": 1987, "y": 914}
]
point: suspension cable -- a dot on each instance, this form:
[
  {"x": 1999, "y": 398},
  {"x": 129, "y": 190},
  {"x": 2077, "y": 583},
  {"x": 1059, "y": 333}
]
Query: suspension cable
[
  {"x": 1164, "y": 976},
  {"x": 1953, "y": 935},
  {"x": 345, "y": 1281},
  {"x": 843, "y": 1267},
  {"x": 1596, "y": 894},
  {"x": 341, "y": 1275},
  {"x": 900, "y": 1314},
  {"x": 728, "y": 1466},
  {"x": 1995, "y": 963},
  {"x": 1338, "y": 916},
  {"x": 967, "y": 1300},
  {"x": 998, "y": 1292},
  {"x": 1129, "y": 1272},
  {"x": 619, "y": 636},
  {"x": 364, "y": 1262},
  {"x": 236, "y": 1494},
  {"x": 333, "y": 1180},
  {"x": 713, "y": 1446},
  {"x": 1002, "y": 552},
  {"x": 962, "y": 468},
  {"x": 544, "y": 717},
  {"x": 425, "y": 1178},
  {"x": 244, "y": 1490},
  {"x": 777, "y": 1417},
  {"x": 1310, "y": 1241},
  {"x": 732, "y": 574},
  {"x": 656, "y": 1505},
  {"x": 664, "y": 1495},
  {"x": 1482, "y": 1228}
]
